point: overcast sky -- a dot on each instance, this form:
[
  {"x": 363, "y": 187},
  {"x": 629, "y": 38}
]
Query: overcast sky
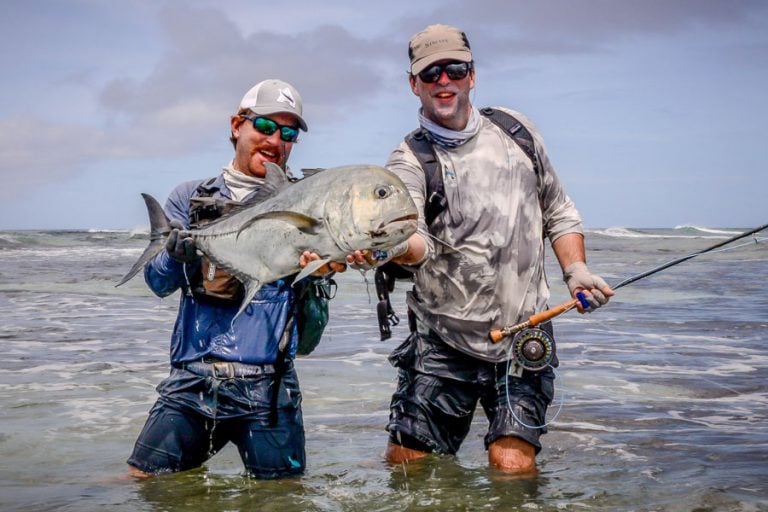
[{"x": 654, "y": 112}]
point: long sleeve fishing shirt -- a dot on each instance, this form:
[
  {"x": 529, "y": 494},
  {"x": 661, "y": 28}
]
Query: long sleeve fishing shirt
[
  {"x": 206, "y": 328},
  {"x": 489, "y": 270}
]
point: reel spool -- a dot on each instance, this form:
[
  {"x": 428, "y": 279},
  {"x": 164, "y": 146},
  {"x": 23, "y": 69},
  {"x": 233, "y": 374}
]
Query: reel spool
[{"x": 533, "y": 349}]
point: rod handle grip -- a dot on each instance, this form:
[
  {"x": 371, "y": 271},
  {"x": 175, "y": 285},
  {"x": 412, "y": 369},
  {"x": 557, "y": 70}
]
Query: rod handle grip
[{"x": 552, "y": 312}]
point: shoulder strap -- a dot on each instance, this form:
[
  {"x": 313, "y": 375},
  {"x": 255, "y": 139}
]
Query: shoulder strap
[
  {"x": 436, "y": 201},
  {"x": 515, "y": 129},
  {"x": 204, "y": 188},
  {"x": 422, "y": 148}
]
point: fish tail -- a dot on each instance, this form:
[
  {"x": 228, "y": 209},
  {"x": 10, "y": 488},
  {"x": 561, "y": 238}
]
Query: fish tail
[{"x": 159, "y": 228}]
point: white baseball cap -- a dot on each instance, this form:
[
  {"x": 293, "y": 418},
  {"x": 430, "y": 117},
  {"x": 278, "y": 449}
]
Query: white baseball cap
[{"x": 272, "y": 97}]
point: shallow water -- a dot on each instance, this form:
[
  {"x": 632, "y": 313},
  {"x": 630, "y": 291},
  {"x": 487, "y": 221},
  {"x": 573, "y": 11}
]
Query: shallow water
[{"x": 663, "y": 392}]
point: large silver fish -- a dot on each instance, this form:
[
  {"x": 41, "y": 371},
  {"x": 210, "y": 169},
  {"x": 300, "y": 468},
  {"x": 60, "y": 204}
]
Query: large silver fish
[{"x": 332, "y": 213}]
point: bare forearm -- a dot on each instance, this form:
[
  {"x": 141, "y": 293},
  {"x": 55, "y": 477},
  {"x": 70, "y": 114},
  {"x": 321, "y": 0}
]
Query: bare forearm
[
  {"x": 417, "y": 249},
  {"x": 569, "y": 249}
]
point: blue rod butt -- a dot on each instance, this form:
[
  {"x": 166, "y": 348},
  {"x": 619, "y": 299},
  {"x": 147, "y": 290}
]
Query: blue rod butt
[{"x": 583, "y": 299}]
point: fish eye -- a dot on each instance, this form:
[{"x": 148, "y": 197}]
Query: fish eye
[{"x": 382, "y": 191}]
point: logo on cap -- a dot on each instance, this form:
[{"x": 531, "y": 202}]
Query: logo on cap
[{"x": 286, "y": 97}]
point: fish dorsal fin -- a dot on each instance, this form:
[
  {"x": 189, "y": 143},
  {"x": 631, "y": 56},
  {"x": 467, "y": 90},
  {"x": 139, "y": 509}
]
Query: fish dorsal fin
[
  {"x": 274, "y": 181},
  {"x": 275, "y": 175},
  {"x": 302, "y": 222},
  {"x": 312, "y": 171}
]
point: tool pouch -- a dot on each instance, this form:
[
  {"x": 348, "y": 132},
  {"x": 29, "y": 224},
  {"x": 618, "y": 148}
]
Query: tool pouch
[{"x": 218, "y": 283}]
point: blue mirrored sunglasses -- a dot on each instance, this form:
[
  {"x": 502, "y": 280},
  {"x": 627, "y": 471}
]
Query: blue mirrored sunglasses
[{"x": 267, "y": 126}]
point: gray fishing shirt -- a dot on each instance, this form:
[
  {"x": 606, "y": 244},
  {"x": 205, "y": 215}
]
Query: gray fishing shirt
[{"x": 492, "y": 275}]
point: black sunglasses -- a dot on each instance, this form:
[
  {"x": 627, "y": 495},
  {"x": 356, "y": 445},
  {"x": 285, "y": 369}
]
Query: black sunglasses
[
  {"x": 454, "y": 70},
  {"x": 267, "y": 126}
]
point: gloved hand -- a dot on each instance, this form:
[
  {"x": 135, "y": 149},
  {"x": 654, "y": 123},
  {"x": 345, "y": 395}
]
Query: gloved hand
[
  {"x": 578, "y": 278},
  {"x": 180, "y": 244}
]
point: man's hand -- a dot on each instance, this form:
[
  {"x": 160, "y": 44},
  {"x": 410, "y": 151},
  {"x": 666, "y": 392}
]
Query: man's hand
[
  {"x": 367, "y": 260},
  {"x": 180, "y": 244},
  {"x": 579, "y": 279},
  {"x": 360, "y": 260},
  {"x": 307, "y": 257}
]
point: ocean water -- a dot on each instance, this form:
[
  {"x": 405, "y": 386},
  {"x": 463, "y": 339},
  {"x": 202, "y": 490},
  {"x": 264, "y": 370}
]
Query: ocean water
[{"x": 662, "y": 395}]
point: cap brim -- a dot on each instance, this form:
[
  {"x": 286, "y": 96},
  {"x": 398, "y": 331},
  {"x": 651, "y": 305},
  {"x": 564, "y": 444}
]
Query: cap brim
[
  {"x": 279, "y": 109},
  {"x": 423, "y": 63}
]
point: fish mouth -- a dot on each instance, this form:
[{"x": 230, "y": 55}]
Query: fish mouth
[{"x": 394, "y": 221}]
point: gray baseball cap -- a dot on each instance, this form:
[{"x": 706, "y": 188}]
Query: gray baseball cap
[
  {"x": 437, "y": 42},
  {"x": 274, "y": 96}
]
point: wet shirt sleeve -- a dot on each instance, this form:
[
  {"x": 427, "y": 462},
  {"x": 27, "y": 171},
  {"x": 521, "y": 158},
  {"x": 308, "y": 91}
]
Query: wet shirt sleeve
[{"x": 404, "y": 164}]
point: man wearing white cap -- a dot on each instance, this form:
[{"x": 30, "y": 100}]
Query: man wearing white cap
[
  {"x": 497, "y": 201},
  {"x": 230, "y": 379}
]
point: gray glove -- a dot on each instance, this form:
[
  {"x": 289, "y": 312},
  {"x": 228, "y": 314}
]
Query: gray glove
[
  {"x": 180, "y": 244},
  {"x": 578, "y": 277}
]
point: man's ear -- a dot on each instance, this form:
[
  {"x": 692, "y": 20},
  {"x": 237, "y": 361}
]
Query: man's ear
[
  {"x": 472, "y": 78},
  {"x": 234, "y": 126},
  {"x": 412, "y": 81}
]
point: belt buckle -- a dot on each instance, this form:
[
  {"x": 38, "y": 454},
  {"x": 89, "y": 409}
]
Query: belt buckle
[{"x": 223, "y": 370}]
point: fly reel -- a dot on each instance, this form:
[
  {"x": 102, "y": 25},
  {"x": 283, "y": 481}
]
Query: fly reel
[{"x": 533, "y": 349}]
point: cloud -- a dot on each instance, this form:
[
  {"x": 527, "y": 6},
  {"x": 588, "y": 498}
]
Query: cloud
[
  {"x": 179, "y": 101},
  {"x": 221, "y": 66},
  {"x": 197, "y": 81},
  {"x": 34, "y": 152},
  {"x": 183, "y": 104},
  {"x": 504, "y": 28}
]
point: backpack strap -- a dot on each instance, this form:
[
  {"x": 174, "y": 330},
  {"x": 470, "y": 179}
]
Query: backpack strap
[
  {"x": 435, "y": 201},
  {"x": 424, "y": 151},
  {"x": 515, "y": 129}
]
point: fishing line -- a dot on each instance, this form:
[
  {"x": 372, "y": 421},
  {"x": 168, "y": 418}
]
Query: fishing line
[
  {"x": 498, "y": 334},
  {"x": 509, "y": 401},
  {"x": 433, "y": 237},
  {"x": 364, "y": 273},
  {"x": 754, "y": 241},
  {"x": 668, "y": 264}
]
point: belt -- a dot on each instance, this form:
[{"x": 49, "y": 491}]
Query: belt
[{"x": 228, "y": 370}]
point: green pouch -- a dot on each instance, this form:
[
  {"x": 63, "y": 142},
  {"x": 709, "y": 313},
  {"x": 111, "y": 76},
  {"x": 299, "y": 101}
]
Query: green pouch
[{"x": 312, "y": 296}]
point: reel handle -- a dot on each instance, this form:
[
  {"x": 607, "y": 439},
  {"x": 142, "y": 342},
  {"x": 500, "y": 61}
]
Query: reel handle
[{"x": 497, "y": 335}]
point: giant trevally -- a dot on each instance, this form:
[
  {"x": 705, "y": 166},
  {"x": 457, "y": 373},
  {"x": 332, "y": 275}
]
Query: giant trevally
[{"x": 332, "y": 213}]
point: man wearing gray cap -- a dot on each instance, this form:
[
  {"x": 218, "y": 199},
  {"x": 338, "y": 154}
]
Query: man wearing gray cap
[
  {"x": 496, "y": 202},
  {"x": 232, "y": 376}
]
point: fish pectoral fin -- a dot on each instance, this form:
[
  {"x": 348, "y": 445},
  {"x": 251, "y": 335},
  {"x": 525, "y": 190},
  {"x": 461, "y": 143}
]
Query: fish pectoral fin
[
  {"x": 302, "y": 222},
  {"x": 311, "y": 267}
]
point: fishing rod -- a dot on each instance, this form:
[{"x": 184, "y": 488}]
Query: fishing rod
[{"x": 497, "y": 335}]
